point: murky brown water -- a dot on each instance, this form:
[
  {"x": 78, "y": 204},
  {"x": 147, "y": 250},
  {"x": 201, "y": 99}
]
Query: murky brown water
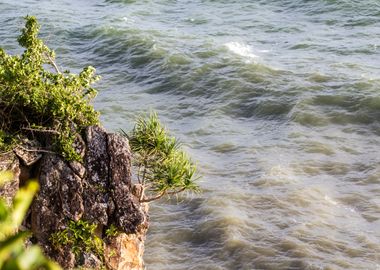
[{"x": 277, "y": 101}]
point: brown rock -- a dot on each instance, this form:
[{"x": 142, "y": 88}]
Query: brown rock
[
  {"x": 26, "y": 152},
  {"x": 59, "y": 199},
  {"x": 125, "y": 251},
  {"x": 90, "y": 261},
  {"x": 78, "y": 168},
  {"x": 65, "y": 258},
  {"x": 80, "y": 146},
  {"x": 97, "y": 180},
  {"x": 127, "y": 215},
  {"x": 120, "y": 160},
  {"x": 98, "y": 190},
  {"x": 96, "y": 158}
]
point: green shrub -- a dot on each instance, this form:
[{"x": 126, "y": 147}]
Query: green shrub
[
  {"x": 7, "y": 142},
  {"x": 35, "y": 99},
  {"x": 112, "y": 231},
  {"x": 13, "y": 253},
  {"x": 80, "y": 237},
  {"x": 162, "y": 167}
]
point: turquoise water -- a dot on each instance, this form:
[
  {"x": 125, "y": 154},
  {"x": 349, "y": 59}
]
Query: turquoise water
[{"x": 277, "y": 101}]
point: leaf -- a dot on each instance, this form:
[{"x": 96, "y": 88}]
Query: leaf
[
  {"x": 4, "y": 212},
  {"x": 5, "y": 176},
  {"x": 31, "y": 258},
  {"x": 12, "y": 245},
  {"x": 22, "y": 201}
]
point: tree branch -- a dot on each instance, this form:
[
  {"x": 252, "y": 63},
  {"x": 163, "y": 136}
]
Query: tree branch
[
  {"x": 53, "y": 63},
  {"x": 176, "y": 191},
  {"x": 159, "y": 195},
  {"x": 142, "y": 193},
  {"x": 35, "y": 150},
  {"x": 153, "y": 198},
  {"x": 139, "y": 173},
  {"x": 43, "y": 130}
]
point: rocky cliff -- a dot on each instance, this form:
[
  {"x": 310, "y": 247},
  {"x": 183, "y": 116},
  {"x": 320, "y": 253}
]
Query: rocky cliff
[{"x": 98, "y": 191}]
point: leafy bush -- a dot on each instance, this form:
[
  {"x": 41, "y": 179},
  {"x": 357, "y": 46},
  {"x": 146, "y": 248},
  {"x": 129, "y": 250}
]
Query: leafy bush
[
  {"x": 112, "y": 231},
  {"x": 13, "y": 253},
  {"x": 37, "y": 100},
  {"x": 80, "y": 237},
  {"x": 7, "y": 142},
  {"x": 162, "y": 167}
]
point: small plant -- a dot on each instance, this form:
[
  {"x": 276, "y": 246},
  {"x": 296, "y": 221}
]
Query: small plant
[
  {"x": 162, "y": 167},
  {"x": 6, "y": 142},
  {"x": 36, "y": 97},
  {"x": 80, "y": 237},
  {"x": 112, "y": 231},
  {"x": 13, "y": 253}
]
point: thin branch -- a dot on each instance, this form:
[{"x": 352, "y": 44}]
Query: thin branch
[
  {"x": 153, "y": 198},
  {"x": 53, "y": 63},
  {"x": 22, "y": 114},
  {"x": 7, "y": 152},
  {"x": 142, "y": 193},
  {"x": 159, "y": 195},
  {"x": 35, "y": 150},
  {"x": 176, "y": 191},
  {"x": 138, "y": 173},
  {"x": 43, "y": 130}
]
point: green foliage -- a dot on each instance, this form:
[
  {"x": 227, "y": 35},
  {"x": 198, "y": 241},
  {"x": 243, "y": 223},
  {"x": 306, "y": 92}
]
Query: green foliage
[
  {"x": 80, "y": 237},
  {"x": 13, "y": 254},
  {"x": 162, "y": 167},
  {"x": 5, "y": 176},
  {"x": 112, "y": 231},
  {"x": 38, "y": 99},
  {"x": 7, "y": 142}
]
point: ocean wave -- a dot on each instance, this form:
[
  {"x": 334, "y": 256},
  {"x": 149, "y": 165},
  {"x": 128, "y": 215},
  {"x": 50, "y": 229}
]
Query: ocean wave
[{"x": 241, "y": 49}]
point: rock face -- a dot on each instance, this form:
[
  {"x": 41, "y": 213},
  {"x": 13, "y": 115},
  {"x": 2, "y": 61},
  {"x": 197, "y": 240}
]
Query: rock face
[
  {"x": 125, "y": 252},
  {"x": 98, "y": 191}
]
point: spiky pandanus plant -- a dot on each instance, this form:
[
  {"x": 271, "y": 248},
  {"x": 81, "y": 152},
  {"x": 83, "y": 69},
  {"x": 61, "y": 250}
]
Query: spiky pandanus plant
[{"x": 162, "y": 167}]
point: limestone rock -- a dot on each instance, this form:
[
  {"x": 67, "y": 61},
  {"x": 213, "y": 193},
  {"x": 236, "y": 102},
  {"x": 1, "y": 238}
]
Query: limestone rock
[
  {"x": 127, "y": 215},
  {"x": 90, "y": 261},
  {"x": 65, "y": 258},
  {"x": 124, "y": 252},
  {"x": 59, "y": 198},
  {"x": 78, "y": 168},
  {"x": 98, "y": 190},
  {"x": 26, "y": 152},
  {"x": 97, "y": 180},
  {"x": 80, "y": 146},
  {"x": 96, "y": 158}
]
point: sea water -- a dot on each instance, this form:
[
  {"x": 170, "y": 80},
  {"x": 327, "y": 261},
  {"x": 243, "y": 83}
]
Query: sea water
[{"x": 278, "y": 102}]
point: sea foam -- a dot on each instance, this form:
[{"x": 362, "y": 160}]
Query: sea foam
[{"x": 241, "y": 49}]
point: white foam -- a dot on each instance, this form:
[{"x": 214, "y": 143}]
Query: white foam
[
  {"x": 241, "y": 49},
  {"x": 126, "y": 19},
  {"x": 331, "y": 201}
]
